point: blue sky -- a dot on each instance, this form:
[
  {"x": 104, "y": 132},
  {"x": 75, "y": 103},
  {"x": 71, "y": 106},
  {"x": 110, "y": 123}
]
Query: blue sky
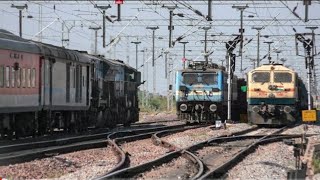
[{"x": 78, "y": 16}]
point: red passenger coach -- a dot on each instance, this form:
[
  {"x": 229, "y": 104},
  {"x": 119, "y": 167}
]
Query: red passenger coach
[
  {"x": 19, "y": 73},
  {"x": 19, "y": 84}
]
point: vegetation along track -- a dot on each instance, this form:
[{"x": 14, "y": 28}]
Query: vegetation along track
[{"x": 26, "y": 151}]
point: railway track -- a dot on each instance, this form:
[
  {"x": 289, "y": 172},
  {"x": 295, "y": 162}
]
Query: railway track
[
  {"x": 237, "y": 143},
  {"x": 61, "y": 134},
  {"x": 26, "y": 151},
  {"x": 173, "y": 153}
]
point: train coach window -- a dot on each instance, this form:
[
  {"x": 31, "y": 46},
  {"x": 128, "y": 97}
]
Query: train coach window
[
  {"x": 261, "y": 77},
  {"x": 18, "y": 82},
  {"x": 7, "y": 76},
  {"x": 33, "y": 77},
  {"x": 23, "y": 77},
  {"x": 13, "y": 75},
  {"x": 1, "y": 76},
  {"x": 209, "y": 78},
  {"x": 28, "y": 75},
  {"x": 190, "y": 78},
  {"x": 282, "y": 77}
]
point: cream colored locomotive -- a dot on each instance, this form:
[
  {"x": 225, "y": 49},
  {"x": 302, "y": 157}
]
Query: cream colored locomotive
[{"x": 275, "y": 95}]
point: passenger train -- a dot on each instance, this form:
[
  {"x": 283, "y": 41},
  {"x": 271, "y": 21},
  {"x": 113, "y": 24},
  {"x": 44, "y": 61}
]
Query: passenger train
[
  {"x": 275, "y": 95},
  {"x": 45, "y": 87},
  {"x": 201, "y": 93}
]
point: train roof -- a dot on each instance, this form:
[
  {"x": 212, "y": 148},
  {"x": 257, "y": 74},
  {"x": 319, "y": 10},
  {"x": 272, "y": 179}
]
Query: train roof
[
  {"x": 113, "y": 62},
  {"x": 267, "y": 67},
  {"x": 11, "y": 41}
]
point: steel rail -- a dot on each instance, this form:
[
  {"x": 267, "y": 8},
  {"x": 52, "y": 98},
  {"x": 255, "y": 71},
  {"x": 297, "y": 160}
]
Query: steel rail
[
  {"x": 122, "y": 156},
  {"x": 50, "y": 148},
  {"x": 222, "y": 169},
  {"x": 35, "y": 143},
  {"x": 172, "y": 154}
]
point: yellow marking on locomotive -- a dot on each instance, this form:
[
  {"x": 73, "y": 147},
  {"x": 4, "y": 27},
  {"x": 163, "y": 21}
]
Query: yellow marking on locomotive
[{"x": 309, "y": 115}]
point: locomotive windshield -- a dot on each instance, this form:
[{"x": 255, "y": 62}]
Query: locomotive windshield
[
  {"x": 190, "y": 78},
  {"x": 209, "y": 78},
  {"x": 282, "y": 77},
  {"x": 206, "y": 78},
  {"x": 261, "y": 77}
]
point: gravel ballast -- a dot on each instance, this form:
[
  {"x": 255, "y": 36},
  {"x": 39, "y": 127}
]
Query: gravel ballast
[{"x": 77, "y": 165}]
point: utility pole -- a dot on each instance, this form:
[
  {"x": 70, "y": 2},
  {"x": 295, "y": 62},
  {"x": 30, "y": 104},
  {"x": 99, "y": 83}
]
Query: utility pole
[
  {"x": 231, "y": 45},
  {"x": 20, "y": 8},
  {"x": 166, "y": 64},
  {"x": 306, "y": 3},
  {"x": 184, "y": 53},
  {"x": 147, "y": 81},
  {"x": 253, "y": 60},
  {"x": 154, "y": 28},
  {"x": 278, "y": 51},
  {"x": 209, "y": 17},
  {"x": 241, "y": 30},
  {"x": 308, "y": 46},
  {"x": 171, "y": 27},
  {"x": 168, "y": 79},
  {"x": 143, "y": 78},
  {"x": 312, "y": 28},
  {"x": 169, "y": 99},
  {"x": 205, "y": 43},
  {"x": 103, "y": 8},
  {"x": 269, "y": 51},
  {"x": 96, "y": 36},
  {"x": 136, "y": 43},
  {"x": 258, "y": 47}
]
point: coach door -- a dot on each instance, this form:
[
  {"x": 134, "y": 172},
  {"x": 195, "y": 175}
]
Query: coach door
[
  {"x": 78, "y": 84},
  {"x": 46, "y": 80},
  {"x": 88, "y": 85},
  {"x": 68, "y": 66}
]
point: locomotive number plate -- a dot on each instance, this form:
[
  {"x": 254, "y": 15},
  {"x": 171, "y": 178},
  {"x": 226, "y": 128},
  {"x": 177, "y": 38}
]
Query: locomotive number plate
[{"x": 309, "y": 115}]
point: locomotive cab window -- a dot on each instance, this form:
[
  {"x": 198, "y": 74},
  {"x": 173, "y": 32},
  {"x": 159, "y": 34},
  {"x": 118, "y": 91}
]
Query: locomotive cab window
[
  {"x": 282, "y": 77},
  {"x": 209, "y": 78},
  {"x": 190, "y": 78},
  {"x": 1, "y": 76},
  {"x": 261, "y": 77}
]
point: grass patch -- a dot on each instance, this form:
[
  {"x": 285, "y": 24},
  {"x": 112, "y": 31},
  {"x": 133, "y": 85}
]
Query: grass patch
[
  {"x": 156, "y": 103},
  {"x": 316, "y": 162}
]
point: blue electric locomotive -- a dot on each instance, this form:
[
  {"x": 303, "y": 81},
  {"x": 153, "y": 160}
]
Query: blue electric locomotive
[{"x": 201, "y": 92}]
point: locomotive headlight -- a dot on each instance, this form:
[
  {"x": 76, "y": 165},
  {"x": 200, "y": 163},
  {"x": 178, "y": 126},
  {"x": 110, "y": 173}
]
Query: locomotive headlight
[
  {"x": 256, "y": 109},
  {"x": 183, "y": 107},
  {"x": 287, "y": 109},
  {"x": 213, "y": 107}
]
